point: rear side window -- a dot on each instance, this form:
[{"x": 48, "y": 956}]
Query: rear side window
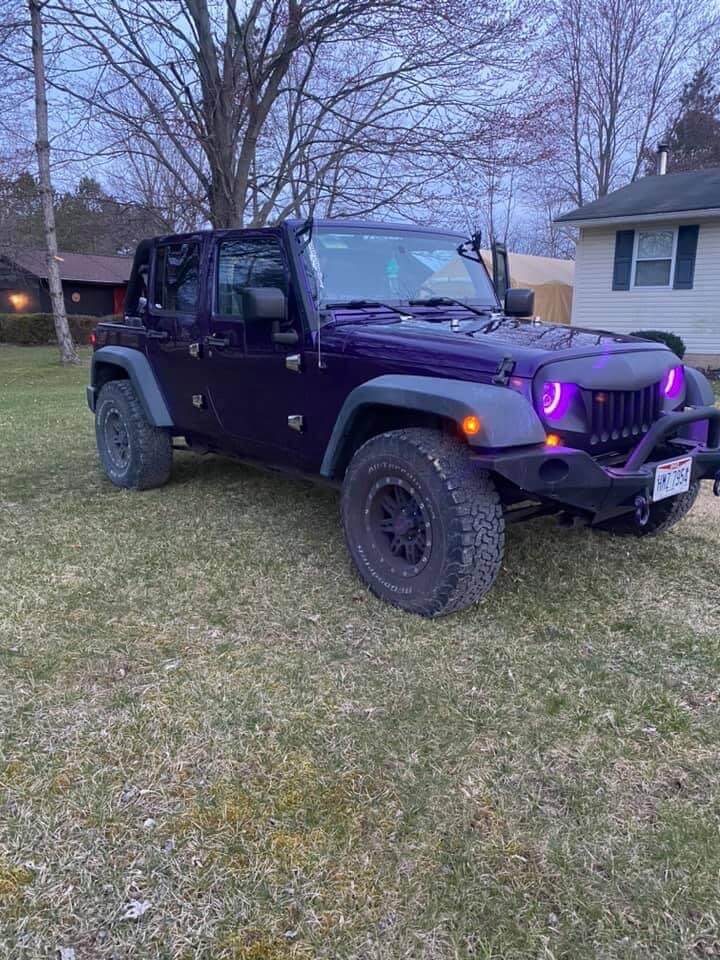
[
  {"x": 248, "y": 262},
  {"x": 177, "y": 274}
]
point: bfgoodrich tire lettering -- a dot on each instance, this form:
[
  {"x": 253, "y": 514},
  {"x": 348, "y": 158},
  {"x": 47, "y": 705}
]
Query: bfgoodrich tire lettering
[
  {"x": 134, "y": 453},
  {"x": 424, "y": 528}
]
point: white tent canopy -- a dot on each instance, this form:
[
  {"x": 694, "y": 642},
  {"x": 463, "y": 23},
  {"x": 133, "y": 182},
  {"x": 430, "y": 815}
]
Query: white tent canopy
[{"x": 551, "y": 279}]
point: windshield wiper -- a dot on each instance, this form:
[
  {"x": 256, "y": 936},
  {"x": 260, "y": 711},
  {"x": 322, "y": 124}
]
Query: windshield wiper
[
  {"x": 448, "y": 302},
  {"x": 362, "y": 305}
]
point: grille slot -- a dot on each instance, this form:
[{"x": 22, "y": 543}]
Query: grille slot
[{"x": 619, "y": 414}]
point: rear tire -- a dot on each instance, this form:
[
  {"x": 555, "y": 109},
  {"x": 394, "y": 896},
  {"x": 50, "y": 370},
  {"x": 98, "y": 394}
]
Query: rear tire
[
  {"x": 134, "y": 453},
  {"x": 663, "y": 515},
  {"x": 424, "y": 528}
]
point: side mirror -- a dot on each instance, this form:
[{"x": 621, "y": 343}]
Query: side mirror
[
  {"x": 268, "y": 304},
  {"x": 519, "y": 303}
]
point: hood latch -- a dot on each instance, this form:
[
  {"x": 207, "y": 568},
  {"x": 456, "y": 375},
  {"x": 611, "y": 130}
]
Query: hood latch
[{"x": 504, "y": 372}]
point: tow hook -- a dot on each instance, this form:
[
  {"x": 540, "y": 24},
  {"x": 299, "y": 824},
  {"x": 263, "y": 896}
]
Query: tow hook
[
  {"x": 642, "y": 510},
  {"x": 716, "y": 484}
]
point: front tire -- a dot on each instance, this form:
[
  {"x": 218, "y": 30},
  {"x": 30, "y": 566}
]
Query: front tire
[
  {"x": 424, "y": 528},
  {"x": 663, "y": 516},
  {"x": 134, "y": 453}
]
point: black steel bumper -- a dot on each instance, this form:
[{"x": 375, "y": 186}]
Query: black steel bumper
[{"x": 573, "y": 479}]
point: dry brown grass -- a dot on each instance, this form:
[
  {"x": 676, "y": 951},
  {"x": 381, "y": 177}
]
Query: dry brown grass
[{"x": 206, "y": 723}]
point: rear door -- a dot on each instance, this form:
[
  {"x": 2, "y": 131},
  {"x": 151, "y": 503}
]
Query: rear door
[{"x": 176, "y": 325}]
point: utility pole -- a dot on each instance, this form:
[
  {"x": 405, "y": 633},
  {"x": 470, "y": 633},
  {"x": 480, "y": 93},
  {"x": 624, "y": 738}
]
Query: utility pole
[{"x": 68, "y": 354}]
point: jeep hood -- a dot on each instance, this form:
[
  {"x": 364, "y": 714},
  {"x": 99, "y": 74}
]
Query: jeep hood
[{"x": 476, "y": 347}]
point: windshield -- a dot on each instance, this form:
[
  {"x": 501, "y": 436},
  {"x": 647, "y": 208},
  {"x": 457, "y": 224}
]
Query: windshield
[{"x": 357, "y": 263}]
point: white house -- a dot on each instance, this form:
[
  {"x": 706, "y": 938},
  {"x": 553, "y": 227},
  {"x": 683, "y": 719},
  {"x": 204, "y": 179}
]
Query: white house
[{"x": 648, "y": 258}]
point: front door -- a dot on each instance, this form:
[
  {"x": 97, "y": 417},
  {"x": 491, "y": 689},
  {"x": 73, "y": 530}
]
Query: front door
[
  {"x": 175, "y": 332},
  {"x": 255, "y": 380}
]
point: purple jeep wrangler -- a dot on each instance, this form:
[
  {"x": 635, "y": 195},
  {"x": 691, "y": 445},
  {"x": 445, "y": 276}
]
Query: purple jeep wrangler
[{"x": 379, "y": 357}]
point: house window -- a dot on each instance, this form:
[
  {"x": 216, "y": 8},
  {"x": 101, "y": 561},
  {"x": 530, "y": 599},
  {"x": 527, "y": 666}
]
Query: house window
[{"x": 654, "y": 257}]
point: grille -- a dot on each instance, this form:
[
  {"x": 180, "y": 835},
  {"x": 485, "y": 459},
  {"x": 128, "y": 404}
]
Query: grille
[{"x": 617, "y": 414}]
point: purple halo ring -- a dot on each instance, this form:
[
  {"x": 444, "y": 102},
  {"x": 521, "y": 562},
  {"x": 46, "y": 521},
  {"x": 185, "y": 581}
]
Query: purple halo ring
[
  {"x": 672, "y": 383},
  {"x": 552, "y": 398}
]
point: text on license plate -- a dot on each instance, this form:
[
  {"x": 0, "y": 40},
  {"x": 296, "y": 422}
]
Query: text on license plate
[{"x": 672, "y": 477}]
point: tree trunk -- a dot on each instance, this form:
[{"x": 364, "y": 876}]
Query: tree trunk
[{"x": 68, "y": 353}]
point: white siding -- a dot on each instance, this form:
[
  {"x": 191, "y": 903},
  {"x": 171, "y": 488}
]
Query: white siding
[{"x": 693, "y": 314}]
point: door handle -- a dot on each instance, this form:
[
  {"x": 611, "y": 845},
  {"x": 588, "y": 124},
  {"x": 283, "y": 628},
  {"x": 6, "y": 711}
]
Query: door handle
[
  {"x": 158, "y": 334},
  {"x": 218, "y": 342}
]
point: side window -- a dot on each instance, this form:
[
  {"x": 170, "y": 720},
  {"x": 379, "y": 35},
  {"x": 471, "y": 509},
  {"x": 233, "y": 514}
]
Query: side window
[
  {"x": 177, "y": 271},
  {"x": 251, "y": 262}
]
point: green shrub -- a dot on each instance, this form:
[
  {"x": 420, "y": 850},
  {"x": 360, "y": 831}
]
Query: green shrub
[
  {"x": 661, "y": 336},
  {"x": 33, "y": 329}
]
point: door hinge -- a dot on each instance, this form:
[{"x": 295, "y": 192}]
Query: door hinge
[
  {"x": 294, "y": 362},
  {"x": 194, "y": 350},
  {"x": 199, "y": 401},
  {"x": 296, "y": 422}
]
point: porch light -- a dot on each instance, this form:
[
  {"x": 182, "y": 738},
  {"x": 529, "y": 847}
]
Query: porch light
[{"x": 19, "y": 301}]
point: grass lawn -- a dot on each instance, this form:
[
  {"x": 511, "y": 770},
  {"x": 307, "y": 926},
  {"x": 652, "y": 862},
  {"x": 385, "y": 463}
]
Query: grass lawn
[{"x": 215, "y": 744}]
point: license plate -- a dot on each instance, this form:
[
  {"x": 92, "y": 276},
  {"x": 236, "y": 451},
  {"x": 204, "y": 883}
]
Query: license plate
[{"x": 672, "y": 477}]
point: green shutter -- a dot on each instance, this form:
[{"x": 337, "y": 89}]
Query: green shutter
[
  {"x": 624, "y": 243},
  {"x": 685, "y": 258}
]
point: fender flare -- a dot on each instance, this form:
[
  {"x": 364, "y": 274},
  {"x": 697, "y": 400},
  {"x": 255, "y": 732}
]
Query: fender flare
[
  {"x": 507, "y": 418},
  {"x": 698, "y": 393},
  {"x": 141, "y": 375}
]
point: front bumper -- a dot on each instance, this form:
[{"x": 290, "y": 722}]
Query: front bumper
[{"x": 573, "y": 479}]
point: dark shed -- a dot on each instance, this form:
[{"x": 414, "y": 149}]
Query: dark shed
[{"x": 93, "y": 285}]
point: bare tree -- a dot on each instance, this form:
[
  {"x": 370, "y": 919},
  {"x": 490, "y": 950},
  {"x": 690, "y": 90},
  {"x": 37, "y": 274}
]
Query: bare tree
[
  {"x": 68, "y": 354},
  {"x": 286, "y": 105},
  {"x": 613, "y": 69}
]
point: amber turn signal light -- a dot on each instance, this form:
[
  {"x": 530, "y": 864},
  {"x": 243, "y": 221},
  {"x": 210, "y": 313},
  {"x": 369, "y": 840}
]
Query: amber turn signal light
[
  {"x": 471, "y": 425},
  {"x": 552, "y": 440}
]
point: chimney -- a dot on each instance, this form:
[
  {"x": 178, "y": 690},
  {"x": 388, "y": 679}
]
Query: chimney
[{"x": 662, "y": 159}]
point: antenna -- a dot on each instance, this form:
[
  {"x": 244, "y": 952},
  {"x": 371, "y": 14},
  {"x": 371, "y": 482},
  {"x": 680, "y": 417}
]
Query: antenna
[{"x": 319, "y": 352}]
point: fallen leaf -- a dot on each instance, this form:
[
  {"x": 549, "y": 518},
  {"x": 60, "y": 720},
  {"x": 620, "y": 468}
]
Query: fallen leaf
[
  {"x": 129, "y": 794},
  {"x": 135, "y": 909}
]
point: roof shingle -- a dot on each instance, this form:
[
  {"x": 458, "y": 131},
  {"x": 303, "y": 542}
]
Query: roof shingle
[
  {"x": 81, "y": 267},
  {"x": 672, "y": 193}
]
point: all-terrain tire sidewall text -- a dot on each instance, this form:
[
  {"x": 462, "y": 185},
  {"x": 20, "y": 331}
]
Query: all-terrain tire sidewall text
[
  {"x": 134, "y": 454},
  {"x": 458, "y": 512}
]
